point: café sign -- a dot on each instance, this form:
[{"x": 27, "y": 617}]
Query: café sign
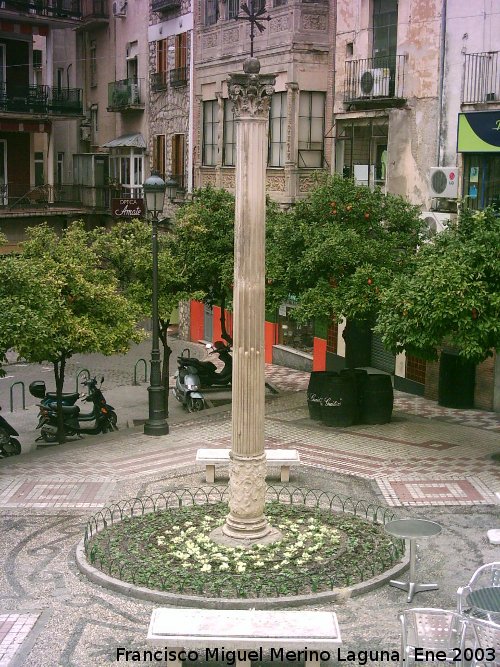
[{"x": 128, "y": 208}]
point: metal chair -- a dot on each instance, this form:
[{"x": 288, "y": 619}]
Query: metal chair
[
  {"x": 485, "y": 576},
  {"x": 431, "y": 630},
  {"x": 486, "y": 651}
]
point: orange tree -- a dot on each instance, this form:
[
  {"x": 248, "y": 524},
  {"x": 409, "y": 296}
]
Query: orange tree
[
  {"x": 338, "y": 249},
  {"x": 452, "y": 293}
]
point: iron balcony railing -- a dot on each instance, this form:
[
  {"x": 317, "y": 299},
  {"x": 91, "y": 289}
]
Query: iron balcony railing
[
  {"x": 481, "y": 77},
  {"x": 23, "y": 196},
  {"x": 178, "y": 77},
  {"x": 95, "y": 9},
  {"x": 65, "y": 9},
  {"x": 159, "y": 81},
  {"x": 374, "y": 79},
  {"x": 125, "y": 94},
  {"x": 41, "y": 99},
  {"x": 165, "y": 5}
]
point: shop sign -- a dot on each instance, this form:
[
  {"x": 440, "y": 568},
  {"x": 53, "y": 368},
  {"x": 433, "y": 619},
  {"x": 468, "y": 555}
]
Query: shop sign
[
  {"x": 479, "y": 132},
  {"x": 128, "y": 208}
]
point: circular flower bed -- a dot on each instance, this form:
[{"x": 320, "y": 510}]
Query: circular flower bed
[{"x": 172, "y": 550}]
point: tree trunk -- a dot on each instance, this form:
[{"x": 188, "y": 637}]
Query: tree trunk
[
  {"x": 223, "y": 329},
  {"x": 59, "y": 367},
  {"x": 167, "y": 351}
]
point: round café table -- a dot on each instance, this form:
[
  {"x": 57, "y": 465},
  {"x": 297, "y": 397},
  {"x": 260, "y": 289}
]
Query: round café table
[
  {"x": 412, "y": 530},
  {"x": 485, "y": 603}
]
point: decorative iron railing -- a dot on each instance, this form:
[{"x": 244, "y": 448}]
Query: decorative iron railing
[
  {"x": 165, "y": 5},
  {"x": 159, "y": 81},
  {"x": 95, "y": 9},
  {"x": 178, "y": 77},
  {"x": 40, "y": 99},
  {"x": 372, "y": 79},
  {"x": 65, "y": 9},
  {"x": 125, "y": 94},
  {"x": 481, "y": 77},
  {"x": 23, "y": 196}
]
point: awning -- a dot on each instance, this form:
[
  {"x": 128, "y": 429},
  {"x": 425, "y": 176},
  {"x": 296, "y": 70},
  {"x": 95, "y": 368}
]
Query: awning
[
  {"x": 127, "y": 140},
  {"x": 479, "y": 132}
]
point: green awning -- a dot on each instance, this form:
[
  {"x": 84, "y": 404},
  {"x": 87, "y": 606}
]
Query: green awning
[{"x": 479, "y": 132}]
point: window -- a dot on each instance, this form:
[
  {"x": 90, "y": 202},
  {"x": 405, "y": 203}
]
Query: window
[
  {"x": 126, "y": 165},
  {"x": 161, "y": 55},
  {"x": 233, "y": 8},
  {"x": 37, "y": 58},
  {"x": 299, "y": 335},
  {"x": 385, "y": 28},
  {"x": 332, "y": 337},
  {"x": 178, "y": 159},
  {"x": 210, "y": 132},
  {"x": 277, "y": 130},
  {"x": 211, "y": 12},
  {"x": 60, "y": 78},
  {"x": 481, "y": 180},
  {"x": 60, "y": 169},
  {"x": 311, "y": 129},
  {"x": 179, "y": 75},
  {"x": 229, "y": 149},
  {"x": 93, "y": 64},
  {"x": 94, "y": 122},
  {"x": 361, "y": 151},
  {"x": 159, "y": 155},
  {"x": 39, "y": 176}
]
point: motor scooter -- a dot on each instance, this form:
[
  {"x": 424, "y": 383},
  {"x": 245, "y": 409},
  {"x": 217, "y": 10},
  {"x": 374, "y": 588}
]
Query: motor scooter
[
  {"x": 103, "y": 415},
  {"x": 193, "y": 376},
  {"x": 9, "y": 446},
  {"x": 38, "y": 390}
]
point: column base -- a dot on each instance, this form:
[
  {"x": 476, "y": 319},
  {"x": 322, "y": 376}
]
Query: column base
[{"x": 245, "y": 540}]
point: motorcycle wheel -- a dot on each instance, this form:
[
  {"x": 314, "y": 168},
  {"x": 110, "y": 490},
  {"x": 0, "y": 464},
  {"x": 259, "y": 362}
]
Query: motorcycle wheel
[
  {"x": 112, "y": 421},
  {"x": 195, "y": 404},
  {"x": 12, "y": 448}
]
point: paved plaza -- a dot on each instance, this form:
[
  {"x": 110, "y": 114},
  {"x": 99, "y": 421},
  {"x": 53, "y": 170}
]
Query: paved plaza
[{"x": 429, "y": 462}]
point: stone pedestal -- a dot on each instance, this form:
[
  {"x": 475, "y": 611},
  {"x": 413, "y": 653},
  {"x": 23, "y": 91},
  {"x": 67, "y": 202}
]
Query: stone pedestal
[{"x": 251, "y": 95}]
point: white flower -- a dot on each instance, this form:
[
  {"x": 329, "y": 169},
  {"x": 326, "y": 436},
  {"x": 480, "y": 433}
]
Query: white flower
[
  {"x": 224, "y": 566},
  {"x": 206, "y": 568}
]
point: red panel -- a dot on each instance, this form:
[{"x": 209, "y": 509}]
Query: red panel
[
  {"x": 216, "y": 327},
  {"x": 269, "y": 341},
  {"x": 319, "y": 354},
  {"x": 196, "y": 320}
]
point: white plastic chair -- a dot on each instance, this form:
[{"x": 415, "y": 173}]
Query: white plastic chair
[
  {"x": 486, "y": 652},
  {"x": 485, "y": 576},
  {"x": 431, "y": 629}
]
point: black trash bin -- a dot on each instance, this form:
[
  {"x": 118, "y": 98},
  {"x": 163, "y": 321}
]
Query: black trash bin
[
  {"x": 339, "y": 404},
  {"x": 359, "y": 377},
  {"x": 315, "y": 391},
  {"x": 457, "y": 380},
  {"x": 377, "y": 400}
]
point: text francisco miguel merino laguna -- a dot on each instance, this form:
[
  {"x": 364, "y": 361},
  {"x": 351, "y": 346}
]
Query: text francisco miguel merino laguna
[{"x": 362, "y": 657}]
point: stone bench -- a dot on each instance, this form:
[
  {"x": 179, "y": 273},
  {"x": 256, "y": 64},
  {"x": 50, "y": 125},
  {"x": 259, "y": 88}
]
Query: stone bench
[
  {"x": 244, "y": 635},
  {"x": 282, "y": 457}
]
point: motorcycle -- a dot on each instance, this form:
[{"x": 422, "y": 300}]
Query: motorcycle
[
  {"x": 9, "y": 446},
  {"x": 37, "y": 389},
  {"x": 102, "y": 414},
  {"x": 193, "y": 376}
]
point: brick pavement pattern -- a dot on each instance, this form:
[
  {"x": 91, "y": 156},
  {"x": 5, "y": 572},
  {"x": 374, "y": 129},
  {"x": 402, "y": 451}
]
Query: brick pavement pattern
[{"x": 14, "y": 629}]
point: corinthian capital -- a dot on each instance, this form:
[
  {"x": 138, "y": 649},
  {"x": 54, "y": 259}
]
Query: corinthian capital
[{"x": 251, "y": 93}]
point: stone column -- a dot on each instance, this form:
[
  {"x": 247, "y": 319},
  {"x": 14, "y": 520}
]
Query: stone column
[{"x": 251, "y": 94}]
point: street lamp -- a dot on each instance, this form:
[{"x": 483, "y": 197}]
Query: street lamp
[
  {"x": 172, "y": 187},
  {"x": 154, "y": 192}
]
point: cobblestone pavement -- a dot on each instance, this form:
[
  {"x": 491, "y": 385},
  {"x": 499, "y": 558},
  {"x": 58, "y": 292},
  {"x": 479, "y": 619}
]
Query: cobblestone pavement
[{"x": 428, "y": 462}]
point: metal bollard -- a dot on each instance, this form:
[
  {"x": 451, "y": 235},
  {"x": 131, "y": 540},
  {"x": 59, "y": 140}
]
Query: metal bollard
[
  {"x": 83, "y": 370},
  {"x": 23, "y": 395},
  {"x": 145, "y": 371}
]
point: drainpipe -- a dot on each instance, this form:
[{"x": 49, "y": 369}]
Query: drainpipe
[
  {"x": 190, "y": 116},
  {"x": 442, "y": 57}
]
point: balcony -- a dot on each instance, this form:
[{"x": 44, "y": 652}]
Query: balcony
[
  {"x": 164, "y": 6},
  {"x": 482, "y": 78},
  {"x": 42, "y": 100},
  {"x": 126, "y": 95},
  {"x": 159, "y": 81},
  {"x": 178, "y": 77},
  {"x": 58, "y": 9},
  {"x": 24, "y": 198},
  {"x": 373, "y": 83},
  {"x": 94, "y": 13}
]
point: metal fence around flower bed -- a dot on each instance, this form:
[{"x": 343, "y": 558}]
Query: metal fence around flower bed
[{"x": 265, "y": 584}]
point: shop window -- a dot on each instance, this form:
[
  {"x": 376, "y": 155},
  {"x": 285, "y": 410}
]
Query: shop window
[
  {"x": 299, "y": 335},
  {"x": 277, "y": 130},
  {"x": 311, "y": 129},
  {"x": 210, "y": 132},
  {"x": 481, "y": 181},
  {"x": 229, "y": 148},
  {"x": 332, "y": 335},
  {"x": 415, "y": 369}
]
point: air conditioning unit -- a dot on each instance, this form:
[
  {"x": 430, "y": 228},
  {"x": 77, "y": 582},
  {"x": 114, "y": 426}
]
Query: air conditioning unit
[
  {"x": 120, "y": 8},
  {"x": 374, "y": 82},
  {"x": 436, "y": 222},
  {"x": 444, "y": 182}
]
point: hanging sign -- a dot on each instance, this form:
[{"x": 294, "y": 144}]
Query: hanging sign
[
  {"x": 479, "y": 132},
  {"x": 128, "y": 208}
]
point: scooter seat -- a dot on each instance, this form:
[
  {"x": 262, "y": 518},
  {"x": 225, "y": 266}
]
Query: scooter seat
[
  {"x": 52, "y": 396},
  {"x": 66, "y": 409}
]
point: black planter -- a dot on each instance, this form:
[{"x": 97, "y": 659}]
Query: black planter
[
  {"x": 359, "y": 377},
  {"x": 377, "y": 399},
  {"x": 457, "y": 379},
  {"x": 339, "y": 404},
  {"x": 318, "y": 384}
]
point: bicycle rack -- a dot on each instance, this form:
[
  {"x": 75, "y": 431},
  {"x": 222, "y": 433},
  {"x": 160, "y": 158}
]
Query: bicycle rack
[
  {"x": 135, "y": 383},
  {"x": 83, "y": 370},
  {"x": 23, "y": 395}
]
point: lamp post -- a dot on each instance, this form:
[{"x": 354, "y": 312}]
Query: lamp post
[{"x": 154, "y": 192}]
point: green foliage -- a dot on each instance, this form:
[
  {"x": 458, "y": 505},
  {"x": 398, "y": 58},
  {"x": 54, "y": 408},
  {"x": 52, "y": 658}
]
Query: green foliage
[
  {"x": 451, "y": 294},
  {"x": 339, "y": 248}
]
